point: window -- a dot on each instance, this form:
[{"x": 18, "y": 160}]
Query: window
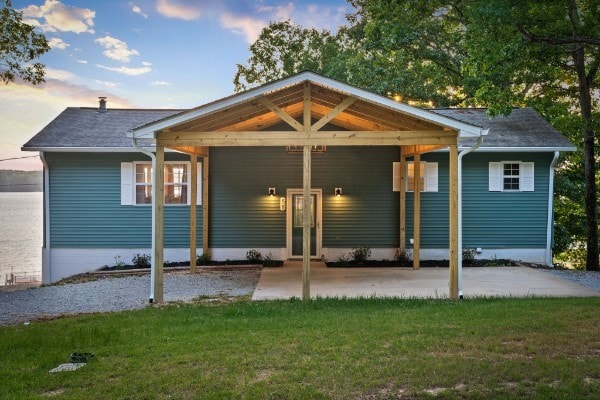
[
  {"x": 410, "y": 176},
  {"x": 136, "y": 183},
  {"x": 428, "y": 176},
  {"x": 511, "y": 176}
]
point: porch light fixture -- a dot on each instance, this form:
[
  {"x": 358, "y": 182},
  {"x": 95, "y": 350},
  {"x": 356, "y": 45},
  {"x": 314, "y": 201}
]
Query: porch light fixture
[
  {"x": 338, "y": 192},
  {"x": 272, "y": 192}
]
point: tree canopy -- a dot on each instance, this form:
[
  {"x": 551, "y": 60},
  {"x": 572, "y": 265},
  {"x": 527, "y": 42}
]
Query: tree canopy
[
  {"x": 20, "y": 44},
  {"x": 435, "y": 53}
]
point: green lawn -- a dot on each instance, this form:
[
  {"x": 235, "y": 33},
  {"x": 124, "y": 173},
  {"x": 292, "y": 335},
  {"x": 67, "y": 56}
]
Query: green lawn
[{"x": 323, "y": 349}]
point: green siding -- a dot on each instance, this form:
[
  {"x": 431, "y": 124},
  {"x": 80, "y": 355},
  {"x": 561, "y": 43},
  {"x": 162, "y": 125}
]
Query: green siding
[
  {"x": 504, "y": 219},
  {"x": 434, "y": 208},
  {"x": 86, "y": 210},
  {"x": 242, "y": 215}
]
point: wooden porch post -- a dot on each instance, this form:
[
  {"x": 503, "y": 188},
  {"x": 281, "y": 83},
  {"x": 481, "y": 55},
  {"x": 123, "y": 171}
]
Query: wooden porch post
[
  {"x": 159, "y": 229},
  {"x": 306, "y": 202},
  {"x": 306, "y": 220},
  {"x": 402, "y": 224},
  {"x": 205, "y": 206},
  {"x": 417, "y": 212},
  {"x": 193, "y": 210},
  {"x": 453, "y": 234}
]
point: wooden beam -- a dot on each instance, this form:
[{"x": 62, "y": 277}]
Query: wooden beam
[
  {"x": 205, "y": 204},
  {"x": 280, "y": 113},
  {"x": 347, "y": 102},
  {"x": 159, "y": 220},
  {"x": 402, "y": 200},
  {"x": 417, "y": 212},
  {"x": 307, "y": 108},
  {"x": 422, "y": 148},
  {"x": 453, "y": 234},
  {"x": 288, "y": 138},
  {"x": 193, "y": 210},
  {"x": 190, "y": 150}
]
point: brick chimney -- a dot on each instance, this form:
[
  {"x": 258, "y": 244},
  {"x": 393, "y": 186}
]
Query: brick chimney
[{"x": 102, "y": 105}]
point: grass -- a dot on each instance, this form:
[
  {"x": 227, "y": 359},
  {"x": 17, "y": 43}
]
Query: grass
[{"x": 323, "y": 349}]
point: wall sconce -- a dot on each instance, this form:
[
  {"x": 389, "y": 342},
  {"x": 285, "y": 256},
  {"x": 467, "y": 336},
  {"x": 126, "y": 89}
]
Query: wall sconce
[
  {"x": 272, "y": 192},
  {"x": 338, "y": 192}
]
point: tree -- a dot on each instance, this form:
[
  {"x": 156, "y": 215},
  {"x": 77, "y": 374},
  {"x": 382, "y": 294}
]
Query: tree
[
  {"x": 497, "y": 54},
  {"x": 554, "y": 43},
  {"x": 284, "y": 48},
  {"x": 19, "y": 46}
]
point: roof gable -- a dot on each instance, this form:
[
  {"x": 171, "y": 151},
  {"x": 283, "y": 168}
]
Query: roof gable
[{"x": 258, "y": 109}]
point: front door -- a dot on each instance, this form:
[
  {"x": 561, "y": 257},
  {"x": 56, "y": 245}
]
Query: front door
[{"x": 295, "y": 223}]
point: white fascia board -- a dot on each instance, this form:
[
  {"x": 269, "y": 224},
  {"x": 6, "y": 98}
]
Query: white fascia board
[
  {"x": 147, "y": 131},
  {"x": 513, "y": 149},
  {"x": 93, "y": 149}
]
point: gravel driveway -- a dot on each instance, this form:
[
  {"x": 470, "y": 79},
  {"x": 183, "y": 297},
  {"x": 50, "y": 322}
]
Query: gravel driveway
[
  {"x": 132, "y": 292},
  {"x": 120, "y": 293}
]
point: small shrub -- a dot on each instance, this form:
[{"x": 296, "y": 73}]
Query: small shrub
[
  {"x": 141, "y": 260},
  {"x": 468, "y": 256},
  {"x": 360, "y": 254},
  {"x": 254, "y": 257},
  {"x": 269, "y": 261},
  {"x": 203, "y": 259},
  {"x": 344, "y": 260},
  {"x": 119, "y": 264},
  {"x": 403, "y": 256}
]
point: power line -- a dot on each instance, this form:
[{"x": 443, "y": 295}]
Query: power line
[{"x": 17, "y": 158}]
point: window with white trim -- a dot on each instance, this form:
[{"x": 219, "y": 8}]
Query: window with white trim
[
  {"x": 136, "y": 183},
  {"x": 428, "y": 176},
  {"x": 511, "y": 176}
]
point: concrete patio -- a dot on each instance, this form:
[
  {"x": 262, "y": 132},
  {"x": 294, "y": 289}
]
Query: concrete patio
[{"x": 286, "y": 282}]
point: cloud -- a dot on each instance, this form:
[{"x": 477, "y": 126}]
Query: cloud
[
  {"x": 108, "y": 84},
  {"x": 116, "y": 49},
  {"x": 146, "y": 63},
  {"x": 126, "y": 70},
  {"x": 279, "y": 13},
  {"x": 160, "y": 83},
  {"x": 82, "y": 61},
  {"x": 59, "y": 74},
  {"x": 27, "y": 108},
  {"x": 57, "y": 43},
  {"x": 243, "y": 25},
  {"x": 175, "y": 9},
  {"x": 137, "y": 10},
  {"x": 58, "y": 17}
]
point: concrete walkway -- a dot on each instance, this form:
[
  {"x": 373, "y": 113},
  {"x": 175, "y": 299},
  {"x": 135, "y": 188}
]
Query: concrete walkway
[{"x": 286, "y": 282}]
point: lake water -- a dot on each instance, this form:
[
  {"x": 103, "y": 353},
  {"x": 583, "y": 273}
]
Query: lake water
[{"x": 21, "y": 228}]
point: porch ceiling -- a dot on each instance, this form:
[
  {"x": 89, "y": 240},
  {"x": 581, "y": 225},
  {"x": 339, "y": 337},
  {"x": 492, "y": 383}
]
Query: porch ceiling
[
  {"x": 254, "y": 115},
  {"x": 276, "y": 118}
]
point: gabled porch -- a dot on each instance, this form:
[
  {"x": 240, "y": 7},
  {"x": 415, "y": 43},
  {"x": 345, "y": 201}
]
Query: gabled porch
[{"x": 304, "y": 111}]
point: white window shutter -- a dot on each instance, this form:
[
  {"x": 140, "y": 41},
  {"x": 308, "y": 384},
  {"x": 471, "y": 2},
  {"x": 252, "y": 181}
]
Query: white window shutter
[
  {"x": 396, "y": 177},
  {"x": 431, "y": 177},
  {"x": 126, "y": 183},
  {"x": 495, "y": 178},
  {"x": 527, "y": 177},
  {"x": 199, "y": 184}
]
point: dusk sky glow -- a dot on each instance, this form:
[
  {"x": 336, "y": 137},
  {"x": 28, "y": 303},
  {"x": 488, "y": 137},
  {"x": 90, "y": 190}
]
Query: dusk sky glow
[{"x": 140, "y": 54}]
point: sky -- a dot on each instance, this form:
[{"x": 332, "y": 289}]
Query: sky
[{"x": 139, "y": 54}]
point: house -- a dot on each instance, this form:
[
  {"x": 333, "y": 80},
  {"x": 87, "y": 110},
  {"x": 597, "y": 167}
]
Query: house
[{"x": 244, "y": 164}]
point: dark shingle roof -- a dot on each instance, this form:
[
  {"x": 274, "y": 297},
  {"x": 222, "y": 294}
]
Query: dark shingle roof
[
  {"x": 523, "y": 128},
  {"x": 87, "y": 128}
]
